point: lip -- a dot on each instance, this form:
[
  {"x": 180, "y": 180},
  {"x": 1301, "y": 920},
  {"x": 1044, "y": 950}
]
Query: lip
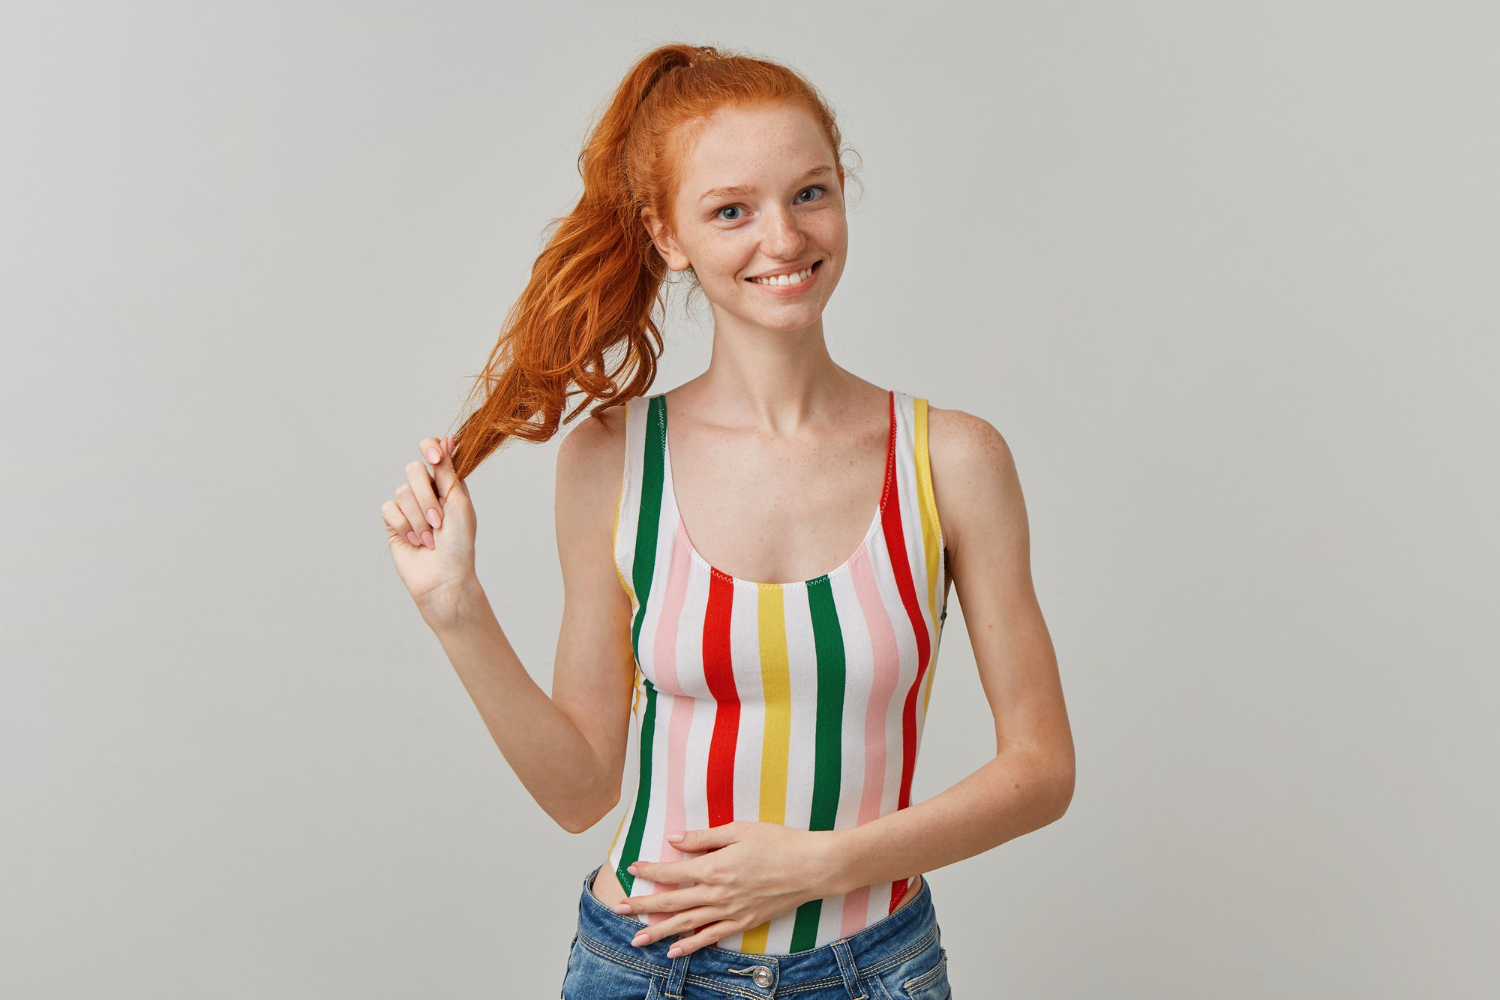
[{"x": 796, "y": 289}]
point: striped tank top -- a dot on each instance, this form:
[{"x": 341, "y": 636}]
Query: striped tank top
[{"x": 794, "y": 703}]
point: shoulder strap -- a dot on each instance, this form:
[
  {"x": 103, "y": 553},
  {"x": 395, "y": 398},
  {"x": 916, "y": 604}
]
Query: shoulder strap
[
  {"x": 638, "y": 517},
  {"x": 627, "y": 510}
]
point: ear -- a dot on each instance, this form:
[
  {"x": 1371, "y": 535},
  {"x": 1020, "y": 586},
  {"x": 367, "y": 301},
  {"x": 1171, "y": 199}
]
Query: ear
[{"x": 661, "y": 237}]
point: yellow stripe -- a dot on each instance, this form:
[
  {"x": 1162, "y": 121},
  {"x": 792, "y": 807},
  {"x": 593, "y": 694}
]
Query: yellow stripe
[
  {"x": 636, "y": 686},
  {"x": 616, "y": 838},
  {"x": 931, "y": 542},
  {"x": 615, "y": 548},
  {"x": 776, "y": 688},
  {"x": 615, "y": 544}
]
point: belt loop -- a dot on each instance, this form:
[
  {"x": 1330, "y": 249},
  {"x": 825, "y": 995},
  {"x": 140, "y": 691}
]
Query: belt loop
[
  {"x": 678, "y": 975},
  {"x": 848, "y": 969}
]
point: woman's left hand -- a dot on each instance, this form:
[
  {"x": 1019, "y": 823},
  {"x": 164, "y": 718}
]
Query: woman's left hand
[{"x": 751, "y": 873}]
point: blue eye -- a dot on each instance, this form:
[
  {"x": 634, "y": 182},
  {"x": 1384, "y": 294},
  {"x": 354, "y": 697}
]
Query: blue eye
[{"x": 726, "y": 208}]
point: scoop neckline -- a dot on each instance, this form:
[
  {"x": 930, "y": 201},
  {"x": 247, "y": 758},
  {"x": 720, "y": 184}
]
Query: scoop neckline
[{"x": 841, "y": 568}]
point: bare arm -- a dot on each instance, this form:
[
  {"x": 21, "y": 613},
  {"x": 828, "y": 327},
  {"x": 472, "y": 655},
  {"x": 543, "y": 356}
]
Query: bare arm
[
  {"x": 1029, "y": 782},
  {"x": 568, "y": 749}
]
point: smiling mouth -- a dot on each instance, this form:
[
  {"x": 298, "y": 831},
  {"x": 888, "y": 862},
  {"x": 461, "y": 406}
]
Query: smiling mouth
[{"x": 795, "y": 278}]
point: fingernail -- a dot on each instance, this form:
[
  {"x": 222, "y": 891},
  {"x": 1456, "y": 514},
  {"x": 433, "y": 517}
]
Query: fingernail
[
  {"x": 673, "y": 838},
  {"x": 640, "y": 938},
  {"x": 432, "y": 516},
  {"x": 427, "y": 540},
  {"x": 674, "y": 951},
  {"x": 622, "y": 907},
  {"x": 433, "y": 456},
  {"x": 411, "y": 536}
]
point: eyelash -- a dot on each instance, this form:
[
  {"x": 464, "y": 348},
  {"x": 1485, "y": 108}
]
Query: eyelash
[{"x": 813, "y": 187}]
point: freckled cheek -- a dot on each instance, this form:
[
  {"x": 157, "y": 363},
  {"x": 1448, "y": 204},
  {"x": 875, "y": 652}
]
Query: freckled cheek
[{"x": 836, "y": 238}]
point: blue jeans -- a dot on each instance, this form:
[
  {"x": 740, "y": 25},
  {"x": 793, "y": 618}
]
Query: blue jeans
[{"x": 899, "y": 957}]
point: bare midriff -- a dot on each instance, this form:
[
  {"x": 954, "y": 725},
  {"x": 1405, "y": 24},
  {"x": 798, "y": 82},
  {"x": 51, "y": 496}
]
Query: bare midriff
[{"x": 608, "y": 890}]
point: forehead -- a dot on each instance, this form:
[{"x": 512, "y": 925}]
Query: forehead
[{"x": 743, "y": 145}]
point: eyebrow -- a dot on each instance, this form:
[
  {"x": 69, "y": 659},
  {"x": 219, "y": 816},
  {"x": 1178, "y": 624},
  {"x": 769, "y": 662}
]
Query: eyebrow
[{"x": 722, "y": 192}]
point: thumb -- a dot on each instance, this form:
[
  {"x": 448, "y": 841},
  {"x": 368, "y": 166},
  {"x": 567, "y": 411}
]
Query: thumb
[
  {"x": 456, "y": 498},
  {"x": 443, "y": 475}
]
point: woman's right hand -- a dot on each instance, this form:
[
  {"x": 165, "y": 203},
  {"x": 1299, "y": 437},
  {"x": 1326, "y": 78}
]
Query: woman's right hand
[{"x": 430, "y": 529}]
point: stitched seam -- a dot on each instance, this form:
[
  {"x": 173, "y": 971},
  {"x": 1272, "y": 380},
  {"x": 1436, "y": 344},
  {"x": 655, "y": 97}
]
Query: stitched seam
[
  {"x": 903, "y": 954},
  {"x": 926, "y": 978},
  {"x": 814, "y": 984},
  {"x": 724, "y": 988},
  {"x": 890, "y": 453},
  {"x": 875, "y": 968},
  {"x": 890, "y": 961},
  {"x": 604, "y": 951}
]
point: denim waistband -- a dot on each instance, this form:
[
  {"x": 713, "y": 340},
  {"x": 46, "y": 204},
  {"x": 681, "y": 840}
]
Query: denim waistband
[{"x": 884, "y": 944}]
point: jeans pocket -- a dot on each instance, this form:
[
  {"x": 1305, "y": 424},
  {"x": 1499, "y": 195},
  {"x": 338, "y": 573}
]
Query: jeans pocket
[
  {"x": 593, "y": 977},
  {"x": 924, "y": 977}
]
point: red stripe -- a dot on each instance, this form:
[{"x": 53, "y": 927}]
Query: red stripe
[
  {"x": 895, "y": 543},
  {"x": 898, "y": 889},
  {"x": 718, "y": 670}
]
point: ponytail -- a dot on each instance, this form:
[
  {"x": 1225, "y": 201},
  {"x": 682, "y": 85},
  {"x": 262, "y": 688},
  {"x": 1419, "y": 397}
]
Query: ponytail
[{"x": 598, "y": 279}]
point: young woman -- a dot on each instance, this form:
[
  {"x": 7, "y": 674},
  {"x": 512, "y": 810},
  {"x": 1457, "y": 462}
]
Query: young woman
[{"x": 779, "y": 694}]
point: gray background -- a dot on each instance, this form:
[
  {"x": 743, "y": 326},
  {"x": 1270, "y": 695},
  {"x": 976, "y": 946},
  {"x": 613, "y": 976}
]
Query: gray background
[{"x": 1224, "y": 275}]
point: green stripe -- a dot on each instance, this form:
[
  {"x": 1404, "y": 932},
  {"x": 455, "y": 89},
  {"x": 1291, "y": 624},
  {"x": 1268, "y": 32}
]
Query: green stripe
[
  {"x": 649, "y": 517},
  {"x": 828, "y": 641},
  {"x": 642, "y": 570},
  {"x": 632, "y": 849}
]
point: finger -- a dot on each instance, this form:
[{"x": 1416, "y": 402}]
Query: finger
[
  {"x": 396, "y": 524},
  {"x": 406, "y": 499},
  {"x": 429, "y": 514},
  {"x": 678, "y": 923},
  {"x": 670, "y": 872},
  {"x": 668, "y": 900},
  {"x": 709, "y": 839},
  {"x": 442, "y": 464},
  {"x": 712, "y": 934},
  {"x": 435, "y": 451}
]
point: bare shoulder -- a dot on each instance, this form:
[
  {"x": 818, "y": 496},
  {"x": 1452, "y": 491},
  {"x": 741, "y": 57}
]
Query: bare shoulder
[
  {"x": 590, "y": 467},
  {"x": 593, "y": 450},
  {"x": 974, "y": 479}
]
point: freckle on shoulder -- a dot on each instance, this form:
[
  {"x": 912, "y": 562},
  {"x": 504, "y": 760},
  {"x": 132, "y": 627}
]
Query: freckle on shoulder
[{"x": 957, "y": 437}]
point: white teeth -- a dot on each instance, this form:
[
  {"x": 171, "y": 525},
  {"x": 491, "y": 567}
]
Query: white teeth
[{"x": 795, "y": 278}]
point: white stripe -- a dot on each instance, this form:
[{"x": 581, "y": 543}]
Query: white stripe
[
  {"x": 744, "y": 643},
  {"x": 802, "y": 670}
]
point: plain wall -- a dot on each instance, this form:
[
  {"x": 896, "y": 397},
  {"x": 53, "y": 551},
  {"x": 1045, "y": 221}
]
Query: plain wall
[{"x": 1224, "y": 275}]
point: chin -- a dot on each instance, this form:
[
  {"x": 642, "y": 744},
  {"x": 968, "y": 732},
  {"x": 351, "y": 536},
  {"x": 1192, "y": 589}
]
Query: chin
[{"x": 792, "y": 323}]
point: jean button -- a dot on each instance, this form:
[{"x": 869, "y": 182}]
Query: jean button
[{"x": 762, "y": 976}]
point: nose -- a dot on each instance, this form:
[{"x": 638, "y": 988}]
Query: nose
[{"x": 783, "y": 238}]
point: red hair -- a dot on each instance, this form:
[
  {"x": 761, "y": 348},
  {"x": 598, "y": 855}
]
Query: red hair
[{"x": 596, "y": 283}]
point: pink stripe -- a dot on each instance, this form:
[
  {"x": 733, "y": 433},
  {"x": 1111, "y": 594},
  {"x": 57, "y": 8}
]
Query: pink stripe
[
  {"x": 665, "y": 659},
  {"x": 886, "y": 658},
  {"x": 856, "y": 911}
]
